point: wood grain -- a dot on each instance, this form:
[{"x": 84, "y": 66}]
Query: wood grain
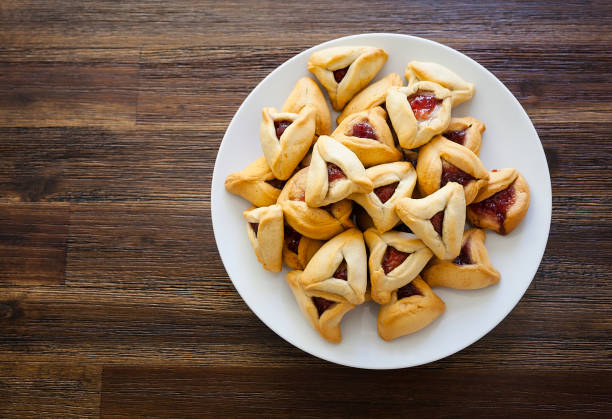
[
  {"x": 49, "y": 390},
  {"x": 231, "y": 392},
  {"x": 113, "y": 299},
  {"x": 33, "y": 243}
]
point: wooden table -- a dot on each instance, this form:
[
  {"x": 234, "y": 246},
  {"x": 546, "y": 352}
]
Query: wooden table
[{"x": 113, "y": 298}]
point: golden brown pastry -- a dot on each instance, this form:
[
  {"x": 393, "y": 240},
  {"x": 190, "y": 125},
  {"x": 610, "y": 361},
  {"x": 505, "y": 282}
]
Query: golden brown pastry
[
  {"x": 367, "y": 135},
  {"x": 502, "y": 204},
  {"x": 334, "y": 173},
  {"x": 420, "y": 70},
  {"x": 372, "y": 96},
  {"x": 470, "y": 270},
  {"x": 396, "y": 258},
  {"x": 437, "y": 219},
  {"x": 297, "y": 249},
  {"x": 256, "y": 183},
  {"x": 442, "y": 161},
  {"x": 315, "y": 223},
  {"x": 466, "y": 131},
  {"x": 410, "y": 309},
  {"x": 344, "y": 71},
  {"x": 418, "y": 112},
  {"x": 286, "y": 138},
  {"x": 265, "y": 231},
  {"x": 307, "y": 92},
  {"x": 324, "y": 315},
  {"x": 338, "y": 271},
  {"x": 391, "y": 182}
]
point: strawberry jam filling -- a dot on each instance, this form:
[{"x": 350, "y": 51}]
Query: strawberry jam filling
[
  {"x": 496, "y": 206},
  {"x": 255, "y": 227},
  {"x": 277, "y": 183},
  {"x": 321, "y": 304},
  {"x": 339, "y": 74},
  {"x": 341, "y": 272},
  {"x": 451, "y": 173},
  {"x": 292, "y": 238},
  {"x": 281, "y": 126},
  {"x": 364, "y": 130},
  {"x": 464, "y": 257},
  {"x": 408, "y": 290},
  {"x": 456, "y": 136},
  {"x": 392, "y": 259},
  {"x": 423, "y": 104},
  {"x": 437, "y": 221},
  {"x": 385, "y": 192},
  {"x": 334, "y": 172}
]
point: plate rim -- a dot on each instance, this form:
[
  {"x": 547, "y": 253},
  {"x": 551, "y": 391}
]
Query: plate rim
[{"x": 501, "y": 314}]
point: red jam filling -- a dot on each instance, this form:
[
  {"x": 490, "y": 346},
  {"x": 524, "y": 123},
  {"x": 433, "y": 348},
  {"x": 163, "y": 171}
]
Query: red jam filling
[
  {"x": 385, "y": 192},
  {"x": 281, "y": 126},
  {"x": 451, "y": 173},
  {"x": 334, "y": 172},
  {"x": 437, "y": 221},
  {"x": 456, "y": 136},
  {"x": 496, "y": 206},
  {"x": 255, "y": 227},
  {"x": 292, "y": 238},
  {"x": 341, "y": 272},
  {"x": 277, "y": 183},
  {"x": 321, "y": 304},
  {"x": 423, "y": 104},
  {"x": 408, "y": 290},
  {"x": 403, "y": 228},
  {"x": 464, "y": 257},
  {"x": 364, "y": 130},
  {"x": 392, "y": 259},
  {"x": 339, "y": 74}
]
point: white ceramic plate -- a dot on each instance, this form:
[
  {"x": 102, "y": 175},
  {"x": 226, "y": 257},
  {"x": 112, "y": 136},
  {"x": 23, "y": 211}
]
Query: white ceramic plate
[{"x": 509, "y": 141}]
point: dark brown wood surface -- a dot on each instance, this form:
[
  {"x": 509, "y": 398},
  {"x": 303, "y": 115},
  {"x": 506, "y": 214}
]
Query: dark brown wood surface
[{"x": 113, "y": 298}]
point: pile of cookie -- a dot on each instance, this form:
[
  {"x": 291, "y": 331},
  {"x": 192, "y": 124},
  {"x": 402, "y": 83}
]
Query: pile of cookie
[{"x": 377, "y": 208}]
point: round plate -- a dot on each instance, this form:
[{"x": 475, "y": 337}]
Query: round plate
[{"x": 509, "y": 141}]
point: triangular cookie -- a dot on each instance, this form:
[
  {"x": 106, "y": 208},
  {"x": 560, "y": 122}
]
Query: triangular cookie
[
  {"x": 307, "y": 92},
  {"x": 344, "y": 71},
  {"x": 316, "y": 223},
  {"x": 286, "y": 138},
  {"x": 338, "y": 271},
  {"x": 466, "y": 131},
  {"x": 396, "y": 258},
  {"x": 265, "y": 231},
  {"x": 391, "y": 182},
  {"x": 470, "y": 270},
  {"x": 442, "y": 161},
  {"x": 418, "y": 112},
  {"x": 437, "y": 219},
  {"x": 324, "y": 315},
  {"x": 421, "y": 70},
  {"x": 367, "y": 134},
  {"x": 410, "y": 309},
  {"x": 256, "y": 183},
  {"x": 334, "y": 173},
  {"x": 502, "y": 204}
]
